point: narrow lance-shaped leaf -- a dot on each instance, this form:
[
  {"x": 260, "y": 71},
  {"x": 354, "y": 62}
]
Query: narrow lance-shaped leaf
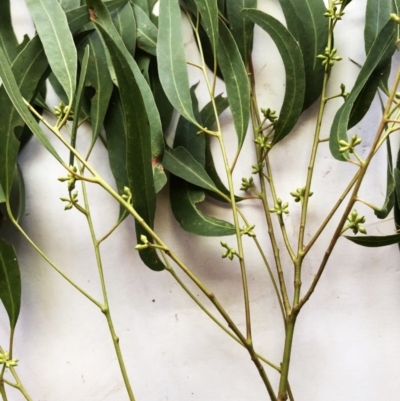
[
  {"x": 125, "y": 22},
  {"x": 14, "y": 94},
  {"x": 69, "y": 4},
  {"x": 208, "y": 10},
  {"x": 138, "y": 146},
  {"x": 8, "y": 40},
  {"x": 146, "y": 31},
  {"x": 52, "y": 27},
  {"x": 375, "y": 241},
  {"x": 236, "y": 81},
  {"x": 384, "y": 44},
  {"x": 171, "y": 59},
  {"x": 10, "y": 282},
  {"x": 242, "y": 28},
  {"x": 102, "y": 17},
  {"x": 306, "y": 22},
  {"x": 143, "y": 4},
  {"x": 295, "y": 77},
  {"x": 384, "y": 211}
]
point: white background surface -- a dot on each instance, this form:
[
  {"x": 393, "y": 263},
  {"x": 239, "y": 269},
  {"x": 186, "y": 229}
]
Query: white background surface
[{"x": 346, "y": 343}]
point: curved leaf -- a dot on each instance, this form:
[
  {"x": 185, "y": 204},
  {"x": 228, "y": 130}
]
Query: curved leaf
[
  {"x": 69, "y": 4},
  {"x": 8, "y": 40},
  {"x": 295, "y": 77},
  {"x": 138, "y": 146},
  {"x": 375, "y": 241},
  {"x": 171, "y": 59},
  {"x": 125, "y": 22},
  {"x": 52, "y": 27},
  {"x": 10, "y": 282},
  {"x": 383, "y": 45},
  {"x": 242, "y": 28},
  {"x": 146, "y": 31},
  {"x": 236, "y": 81},
  {"x": 306, "y": 22}
]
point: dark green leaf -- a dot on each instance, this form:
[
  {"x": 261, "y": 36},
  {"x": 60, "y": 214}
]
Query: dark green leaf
[
  {"x": 125, "y": 22},
  {"x": 10, "y": 282},
  {"x": 15, "y": 95},
  {"x": 2, "y": 195},
  {"x": 236, "y": 80},
  {"x": 171, "y": 59},
  {"x": 242, "y": 28},
  {"x": 383, "y": 45},
  {"x": 103, "y": 18},
  {"x": 146, "y": 31},
  {"x": 69, "y": 4},
  {"x": 17, "y": 195},
  {"x": 138, "y": 146},
  {"x": 375, "y": 241},
  {"x": 306, "y": 22},
  {"x": 8, "y": 40},
  {"x": 295, "y": 77},
  {"x": 207, "y": 113},
  {"x": 208, "y": 10},
  {"x": 182, "y": 164},
  {"x": 143, "y": 4},
  {"x": 384, "y": 211},
  {"x": 52, "y": 27}
]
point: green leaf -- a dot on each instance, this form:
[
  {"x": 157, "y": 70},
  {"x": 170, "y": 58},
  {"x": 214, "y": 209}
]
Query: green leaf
[
  {"x": 138, "y": 146},
  {"x": 146, "y": 31},
  {"x": 383, "y": 45},
  {"x": 375, "y": 241},
  {"x": 384, "y": 211},
  {"x": 17, "y": 195},
  {"x": 208, "y": 10},
  {"x": 10, "y": 282},
  {"x": 15, "y": 95},
  {"x": 295, "y": 77},
  {"x": 184, "y": 198},
  {"x": 241, "y": 28},
  {"x": 2, "y": 195},
  {"x": 207, "y": 114},
  {"x": 236, "y": 80},
  {"x": 306, "y": 22},
  {"x": 52, "y": 27},
  {"x": 125, "y": 22},
  {"x": 182, "y": 164},
  {"x": 143, "y": 4},
  {"x": 69, "y": 4},
  {"x": 8, "y": 40},
  {"x": 103, "y": 19},
  {"x": 171, "y": 59}
]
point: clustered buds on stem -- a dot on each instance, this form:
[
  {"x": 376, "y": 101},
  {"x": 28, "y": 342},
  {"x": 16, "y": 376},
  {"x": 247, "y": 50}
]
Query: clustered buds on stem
[
  {"x": 280, "y": 208},
  {"x": 71, "y": 178},
  {"x": 72, "y": 200},
  {"x": 230, "y": 252},
  {"x": 62, "y": 110},
  {"x": 299, "y": 194},
  {"x": 257, "y": 168},
  {"x": 127, "y": 195},
  {"x": 354, "y": 223},
  {"x": 333, "y": 13},
  {"x": 349, "y": 146},
  {"x": 145, "y": 243},
  {"x": 343, "y": 93},
  {"x": 329, "y": 58},
  {"x": 247, "y": 184},
  {"x": 262, "y": 142},
  {"x": 5, "y": 360},
  {"x": 248, "y": 230},
  {"x": 269, "y": 115}
]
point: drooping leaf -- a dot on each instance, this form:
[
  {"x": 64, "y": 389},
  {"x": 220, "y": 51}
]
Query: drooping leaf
[
  {"x": 69, "y": 4},
  {"x": 138, "y": 146},
  {"x": 2, "y": 195},
  {"x": 125, "y": 22},
  {"x": 182, "y": 164},
  {"x": 17, "y": 195},
  {"x": 295, "y": 77},
  {"x": 208, "y": 10},
  {"x": 15, "y": 96},
  {"x": 143, "y": 4},
  {"x": 146, "y": 31},
  {"x": 375, "y": 241},
  {"x": 10, "y": 282},
  {"x": 241, "y": 28},
  {"x": 171, "y": 59},
  {"x": 236, "y": 80},
  {"x": 382, "y": 46},
  {"x": 52, "y": 27},
  {"x": 102, "y": 17},
  {"x": 306, "y": 22},
  {"x": 8, "y": 40},
  {"x": 384, "y": 211}
]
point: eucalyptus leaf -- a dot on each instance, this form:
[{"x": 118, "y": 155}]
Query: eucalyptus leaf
[
  {"x": 241, "y": 28},
  {"x": 143, "y": 4},
  {"x": 125, "y": 22},
  {"x": 138, "y": 146},
  {"x": 69, "y": 4},
  {"x": 295, "y": 76},
  {"x": 17, "y": 195},
  {"x": 146, "y": 31},
  {"x": 10, "y": 282},
  {"x": 8, "y": 40},
  {"x": 306, "y": 22},
  {"x": 236, "y": 81},
  {"x": 52, "y": 27},
  {"x": 375, "y": 241},
  {"x": 382, "y": 46},
  {"x": 171, "y": 59}
]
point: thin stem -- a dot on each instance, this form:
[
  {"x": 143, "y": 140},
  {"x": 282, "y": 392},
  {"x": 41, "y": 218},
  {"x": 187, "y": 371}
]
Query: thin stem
[
  {"x": 3, "y": 392},
  {"x": 19, "y": 384}
]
